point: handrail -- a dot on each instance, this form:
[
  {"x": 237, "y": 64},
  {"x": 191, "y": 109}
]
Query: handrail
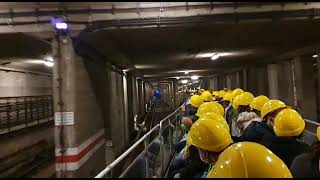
[
  {"x": 127, "y": 152},
  {"x": 312, "y": 122}
]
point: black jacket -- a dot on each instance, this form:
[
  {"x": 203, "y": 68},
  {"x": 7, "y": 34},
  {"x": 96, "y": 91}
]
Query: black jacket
[
  {"x": 254, "y": 132},
  {"x": 286, "y": 148},
  {"x": 194, "y": 165}
]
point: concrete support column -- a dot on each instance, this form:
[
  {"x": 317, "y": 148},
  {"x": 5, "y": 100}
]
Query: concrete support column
[
  {"x": 318, "y": 90},
  {"x": 79, "y": 124},
  {"x": 244, "y": 79},
  {"x": 305, "y": 85},
  {"x": 238, "y": 80},
  {"x": 229, "y": 81},
  {"x": 273, "y": 81}
]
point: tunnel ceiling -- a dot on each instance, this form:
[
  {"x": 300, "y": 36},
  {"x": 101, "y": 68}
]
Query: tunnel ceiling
[
  {"x": 19, "y": 50},
  {"x": 167, "y": 51}
]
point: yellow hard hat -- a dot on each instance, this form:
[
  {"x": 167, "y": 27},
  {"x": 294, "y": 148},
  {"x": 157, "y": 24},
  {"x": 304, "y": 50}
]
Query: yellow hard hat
[
  {"x": 243, "y": 99},
  {"x": 318, "y": 133},
  {"x": 196, "y": 101},
  {"x": 229, "y": 96},
  {"x": 270, "y": 106},
  {"x": 237, "y": 92},
  {"x": 288, "y": 122},
  {"x": 210, "y": 107},
  {"x": 249, "y": 160},
  {"x": 216, "y": 117},
  {"x": 207, "y": 96},
  {"x": 215, "y": 93},
  {"x": 209, "y": 135},
  {"x": 258, "y": 102},
  {"x": 221, "y": 93}
]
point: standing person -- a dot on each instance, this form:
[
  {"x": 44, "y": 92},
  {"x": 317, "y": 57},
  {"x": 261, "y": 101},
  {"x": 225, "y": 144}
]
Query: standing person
[
  {"x": 306, "y": 165},
  {"x": 288, "y": 127}
]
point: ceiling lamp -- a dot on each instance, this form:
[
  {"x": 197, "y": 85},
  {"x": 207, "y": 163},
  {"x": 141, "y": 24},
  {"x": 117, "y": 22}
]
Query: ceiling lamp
[
  {"x": 205, "y": 55},
  {"x": 186, "y": 72},
  {"x": 184, "y": 81},
  {"x": 315, "y": 56},
  {"x": 194, "y": 77},
  {"x": 216, "y": 56}
]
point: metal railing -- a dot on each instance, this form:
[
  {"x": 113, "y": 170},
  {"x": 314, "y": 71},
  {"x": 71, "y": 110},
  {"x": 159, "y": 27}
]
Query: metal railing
[
  {"x": 24, "y": 111},
  {"x": 168, "y": 130}
]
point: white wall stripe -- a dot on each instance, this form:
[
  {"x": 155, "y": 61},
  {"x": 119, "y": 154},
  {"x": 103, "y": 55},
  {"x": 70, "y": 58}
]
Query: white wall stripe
[
  {"x": 72, "y": 166},
  {"x": 76, "y": 150}
]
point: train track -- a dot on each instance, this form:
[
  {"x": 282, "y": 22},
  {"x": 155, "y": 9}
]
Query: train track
[{"x": 28, "y": 161}]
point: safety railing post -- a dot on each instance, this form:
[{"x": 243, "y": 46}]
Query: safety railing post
[
  {"x": 170, "y": 136},
  {"x": 161, "y": 148},
  {"x": 8, "y": 115},
  {"x": 146, "y": 158}
]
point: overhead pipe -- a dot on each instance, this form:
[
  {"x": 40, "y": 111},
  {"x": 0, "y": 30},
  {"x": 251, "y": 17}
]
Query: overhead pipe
[
  {"x": 227, "y": 18},
  {"x": 113, "y": 10}
]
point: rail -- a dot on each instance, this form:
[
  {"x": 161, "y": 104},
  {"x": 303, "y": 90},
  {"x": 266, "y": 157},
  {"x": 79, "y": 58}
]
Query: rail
[
  {"x": 24, "y": 111},
  {"x": 159, "y": 127}
]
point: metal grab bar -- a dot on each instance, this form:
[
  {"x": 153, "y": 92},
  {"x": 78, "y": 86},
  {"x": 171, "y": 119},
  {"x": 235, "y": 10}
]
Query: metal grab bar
[
  {"x": 136, "y": 144},
  {"x": 312, "y": 122}
]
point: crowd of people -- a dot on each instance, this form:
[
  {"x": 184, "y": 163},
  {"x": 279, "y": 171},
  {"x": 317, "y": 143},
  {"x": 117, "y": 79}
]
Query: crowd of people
[{"x": 232, "y": 134}]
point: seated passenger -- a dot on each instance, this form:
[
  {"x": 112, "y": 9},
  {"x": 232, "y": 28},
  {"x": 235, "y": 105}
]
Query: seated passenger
[
  {"x": 249, "y": 160},
  {"x": 230, "y": 113},
  {"x": 241, "y": 105},
  {"x": 306, "y": 165},
  {"x": 194, "y": 103},
  {"x": 256, "y": 130},
  {"x": 288, "y": 127},
  {"x": 210, "y": 138},
  {"x": 186, "y": 124}
]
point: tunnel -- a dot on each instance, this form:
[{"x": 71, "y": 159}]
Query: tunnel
[{"x": 100, "y": 89}]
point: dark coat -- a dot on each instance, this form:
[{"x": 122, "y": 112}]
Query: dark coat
[
  {"x": 302, "y": 167},
  {"x": 254, "y": 132},
  {"x": 286, "y": 148}
]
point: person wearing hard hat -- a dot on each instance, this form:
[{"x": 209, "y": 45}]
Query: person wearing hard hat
[
  {"x": 249, "y": 160},
  {"x": 256, "y": 130},
  {"x": 307, "y": 165},
  {"x": 207, "y": 96},
  {"x": 210, "y": 138},
  {"x": 210, "y": 107},
  {"x": 288, "y": 127},
  {"x": 192, "y": 106},
  {"x": 241, "y": 104},
  {"x": 226, "y": 102},
  {"x": 249, "y": 124}
]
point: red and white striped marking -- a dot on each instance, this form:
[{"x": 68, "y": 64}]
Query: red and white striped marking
[{"x": 75, "y": 157}]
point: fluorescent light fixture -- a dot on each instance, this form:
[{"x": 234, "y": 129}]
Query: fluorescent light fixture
[
  {"x": 177, "y": 78},
  {"x": 205, "y": 55},
  {"x": 194, "y": 77},
  {"x": 315, "y": 56},
  {"x": 184, "y": 81},
  {"x": 186, "y": 72},
  {"x": 48, "y": 63},
  {"x": 214, "y": 57},
  {"x": 196, "y": 81},
  {"x": 48, "y": 58}
]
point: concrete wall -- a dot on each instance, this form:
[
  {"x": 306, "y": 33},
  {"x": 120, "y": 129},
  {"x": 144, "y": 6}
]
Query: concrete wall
[{"x": 24, "y": 84}]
